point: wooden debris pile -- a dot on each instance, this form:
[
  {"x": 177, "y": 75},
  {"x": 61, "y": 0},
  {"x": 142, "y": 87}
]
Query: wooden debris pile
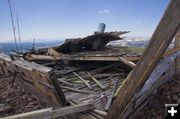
[
  {"x": 90, "y": 48},
  {"x": 87, "y": 82},
  {"x": 97, "y": 41}
]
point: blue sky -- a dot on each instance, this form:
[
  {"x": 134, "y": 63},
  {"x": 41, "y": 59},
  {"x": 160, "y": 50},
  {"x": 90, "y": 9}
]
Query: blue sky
[{"x": 60, "y": 19}]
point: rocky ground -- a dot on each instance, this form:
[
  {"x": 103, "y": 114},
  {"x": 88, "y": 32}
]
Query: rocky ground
[
  {"x": 168, "y": 93},
  {"x": 14, "y": 100}
]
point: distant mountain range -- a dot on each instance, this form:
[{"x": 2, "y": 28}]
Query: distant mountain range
[
  {"x": 129, "y": 42},
  {"x": 8, "y": 47},
  {"x": 133, "y": 42}
]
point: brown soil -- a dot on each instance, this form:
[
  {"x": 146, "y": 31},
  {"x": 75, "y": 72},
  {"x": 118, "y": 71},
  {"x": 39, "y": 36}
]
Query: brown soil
[
  {"x": 15, "y": 100},
  {"x": 168, "y": 93}
]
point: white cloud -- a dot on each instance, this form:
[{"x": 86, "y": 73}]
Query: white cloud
[
  {"x": 138, "y": 22},
  {"x": 105, "y": 11}
]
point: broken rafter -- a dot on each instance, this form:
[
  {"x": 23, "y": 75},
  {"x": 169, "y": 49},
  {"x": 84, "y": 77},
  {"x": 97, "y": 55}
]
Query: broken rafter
[{"x": 128, "y": 63}]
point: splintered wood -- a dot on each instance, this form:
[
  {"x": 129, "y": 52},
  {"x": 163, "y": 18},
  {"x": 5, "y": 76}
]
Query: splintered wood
[
  {"x": 34, "y": 78},
  {"x": 91, "y": 82}
]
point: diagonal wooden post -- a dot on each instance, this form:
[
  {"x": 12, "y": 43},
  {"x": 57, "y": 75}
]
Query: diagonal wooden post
[
  {"x": 159, "y": 42},
  {"x": 177, "y": 39}
]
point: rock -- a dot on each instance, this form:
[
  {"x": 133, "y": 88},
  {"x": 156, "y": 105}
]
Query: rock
[
  {"x": 166, "y": 93},
  {"x": 174, "y": 98},
  {"x": 159, "y": 117},
  {"x": 6, "y": 109},
  {"x": 155, "y": 104},
  {"x": 175, "y": 89}
]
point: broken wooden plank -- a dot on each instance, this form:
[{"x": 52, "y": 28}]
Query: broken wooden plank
[
  {"x": 75, "y": 90},
  {"x": 65, "y": 82},
  {"x": 96, "y": 81},
  {"x": 34, "y": 57},
  {"x": 110, "y": 98},
  {"x": 82, "y": 79},
  {"x": 128, "y": 63},
  {"x": 159, "y": 42},
  {"x": 97, "y": 76},
  {"x": 172, "y": 51},
  {"x": 50, "y": 113}
]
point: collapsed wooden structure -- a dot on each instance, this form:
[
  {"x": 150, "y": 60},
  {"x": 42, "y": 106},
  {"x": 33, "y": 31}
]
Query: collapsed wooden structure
[{"x": 130, "y": 91}]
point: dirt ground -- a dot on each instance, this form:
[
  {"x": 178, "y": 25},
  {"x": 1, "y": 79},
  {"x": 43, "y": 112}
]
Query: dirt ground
[
  {"x": 168, "y": 93},
  {"x": 15, "y": 100}
]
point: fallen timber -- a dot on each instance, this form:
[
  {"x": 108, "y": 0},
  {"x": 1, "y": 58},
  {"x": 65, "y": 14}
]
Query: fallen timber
[
  {"x": 34, "y": 57},
  {"x": 139, "y": 84},
  {"x": 162, "y": 73},
  {"x": 76, "y": 92},
  {"x": 51, "y": 113}
]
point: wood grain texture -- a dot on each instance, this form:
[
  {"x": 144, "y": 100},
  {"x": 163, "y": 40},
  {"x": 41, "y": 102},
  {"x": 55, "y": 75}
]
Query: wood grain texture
[
  {"x": 159, "y": 42},
  {"x": 34, "y": 78},
  {"x": 50, "y": 113},
  {"x": 177, "y": 39}
]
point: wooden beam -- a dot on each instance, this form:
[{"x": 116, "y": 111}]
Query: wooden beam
[
  {"x": 128, "y": 63},
  {"x": 177, "y": 39},
  {"x": 50, "y": 113},
  {"x": 172, "y": 51},
  {"x": 34, "y": 57},
  {"x": 159, "y": 42}
]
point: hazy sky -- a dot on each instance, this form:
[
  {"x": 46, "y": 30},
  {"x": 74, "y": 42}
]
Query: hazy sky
[{"x": 59, "y": 19}]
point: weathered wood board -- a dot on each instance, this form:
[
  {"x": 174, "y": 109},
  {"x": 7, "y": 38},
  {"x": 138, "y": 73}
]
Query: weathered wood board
[
  {"x": 34, "y": 78},
  {"x": 159, "y": 42},
  {"x": 49, "y": 113},
  {"x": 177, "y": 39}
]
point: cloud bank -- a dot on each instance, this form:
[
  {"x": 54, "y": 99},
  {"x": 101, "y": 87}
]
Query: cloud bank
[{"x": 105, "y": 11}]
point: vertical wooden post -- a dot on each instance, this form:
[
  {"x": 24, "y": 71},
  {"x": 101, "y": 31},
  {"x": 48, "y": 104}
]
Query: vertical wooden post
[
  {"x": 159, "y": 42},
  {"x": 177, "y": 39}
]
